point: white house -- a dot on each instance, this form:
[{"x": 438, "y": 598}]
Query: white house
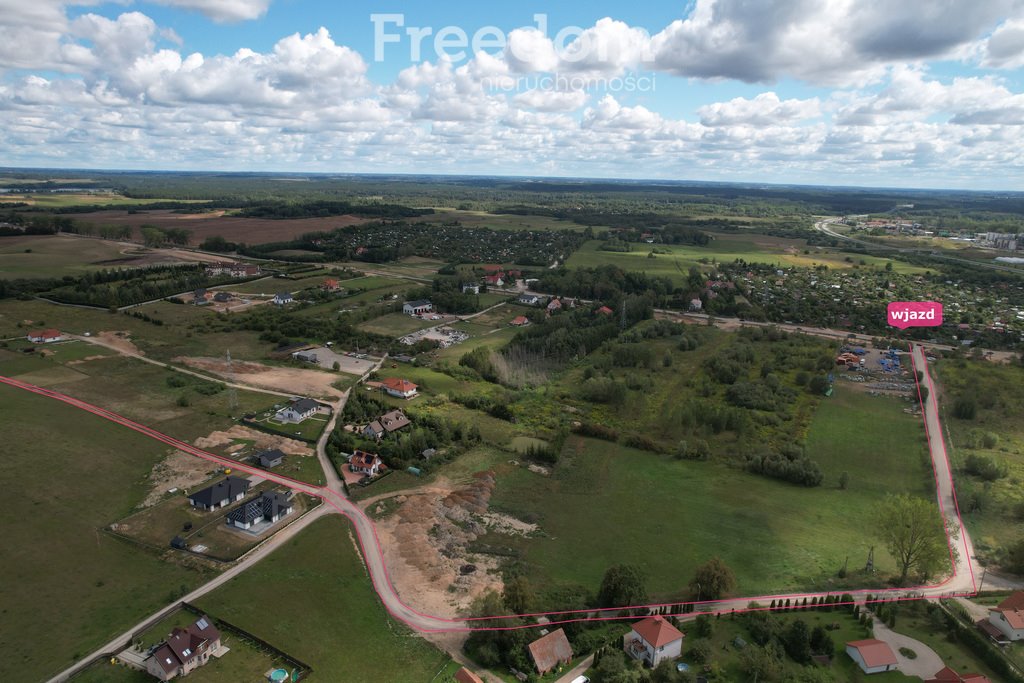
[
  {"x": 282, "y": 298},
  {"x": 417, "y": 307},
  {"x": 470, "y": 288},
  {"x": 298, "y": 411},
  {"x": 696, "y": 304},
  {"x": 365, "y": 463},
  {"x": 270, "y": 507},
  {"x": 653, "y": 640},
  {"x": 872, "y": 656},
  {"x": 529, "y": 299},
  {"x": 399, "y": 388},
  {"x": 45, "y": 336},
  {"x": 1008, "y": 616}
]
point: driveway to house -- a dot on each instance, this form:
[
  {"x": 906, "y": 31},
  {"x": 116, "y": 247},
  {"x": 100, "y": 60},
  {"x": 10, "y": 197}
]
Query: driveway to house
[
  {"x": 578, "y": 670},
  {"x": 924, "y": 666}
]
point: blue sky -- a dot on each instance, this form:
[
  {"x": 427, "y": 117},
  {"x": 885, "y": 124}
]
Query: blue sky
[{"x": 926, "y": 93}]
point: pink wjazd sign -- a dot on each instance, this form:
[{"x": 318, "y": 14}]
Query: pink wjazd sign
[{"x": 904, "y": 314}]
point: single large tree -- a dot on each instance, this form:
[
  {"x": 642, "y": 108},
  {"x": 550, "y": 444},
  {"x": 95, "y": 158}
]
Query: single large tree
[
  {"x": 913, "y": 533},
  {"x": 517, "y": 596},
  {"x": 712, "y": 580},
  {"x": 622, "y": 586}
]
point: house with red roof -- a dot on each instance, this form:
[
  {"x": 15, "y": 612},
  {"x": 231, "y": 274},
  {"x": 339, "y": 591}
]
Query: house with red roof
[
  {"x": 330, "y": 285},
  {"x": 554, "y": 305},
  {"x": 491, "y": 268},
  {"x": 362, "y": 462},
  {"x": 185, "y": 650},
  {"x": 1008, "y": 616},
  {"x": 549, "y": 651},
  {"x": 604, "y": 310},
  {"x": 653, "y": 640},
  {"x": 464, "y": 675},
  {"x": 496, "y": 280},
  {"x": 872, "y": 655},
  {"x": 399, "y": 388},
  {"x": 45, "y": 336},
  {"x": 948, "y": 675},
  {"x": 520, "y": 321}
]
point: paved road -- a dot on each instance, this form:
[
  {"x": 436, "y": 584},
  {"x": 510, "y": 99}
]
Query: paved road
[{"x": 268, "y": 546}]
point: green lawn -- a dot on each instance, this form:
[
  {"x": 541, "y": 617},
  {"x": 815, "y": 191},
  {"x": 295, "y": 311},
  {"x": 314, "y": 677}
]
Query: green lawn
[
  {"x": 61, "y": 200},
  {"x": 36, "y": 256},
  {"x": 396, "y": 324},
  {"x": 605, "y": 504},
  {"x": 67, "y": 587},
  {"x": 323, "y": 610},
  {"x": 727, "y": 248}
]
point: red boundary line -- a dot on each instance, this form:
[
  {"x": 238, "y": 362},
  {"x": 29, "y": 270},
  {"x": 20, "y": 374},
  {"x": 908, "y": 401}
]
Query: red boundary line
[{"x": 326, "y": 495}]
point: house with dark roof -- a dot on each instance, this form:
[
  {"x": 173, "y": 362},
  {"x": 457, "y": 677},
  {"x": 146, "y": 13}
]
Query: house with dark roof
[
  {"x": 224, "y": 492},
  {"x": 270, "y": 507},
  {"x": 362, "y": 462},
  {"x": 549, "y": 651},
  {"x": 184, "y": 650},
  {"x": 199, "y": 297},
  {"x": 872, "y": 655},
  {"x": 386, "y": 424},
  {"x": 222, "y": 297},
  {"x": 282, "y": 298},
  {"x": 418, "y": 307},
  {"x": 1008, "y": 616},
  {"x": 653, "y": 640},
  {"x": 528, "y": 299},
  {"x": 271, "y": 458},
  {"x": 297, "y": 411},
  {"x": 45, "y": 336}
]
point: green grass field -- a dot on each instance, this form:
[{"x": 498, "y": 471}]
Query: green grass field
[
  {"x": 323, "y": 610},
  {"x": 62, "y": 200},
  {"x": 726, "y": 248},
  {"x": 396, "y": 324},
  {"x": 37, "y": 256},
  {"x": 67, "y": 586},
  {"x": 605, "y": 504}
]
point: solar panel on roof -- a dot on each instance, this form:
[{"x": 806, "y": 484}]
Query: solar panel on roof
[{"x": 202, "y": 623}]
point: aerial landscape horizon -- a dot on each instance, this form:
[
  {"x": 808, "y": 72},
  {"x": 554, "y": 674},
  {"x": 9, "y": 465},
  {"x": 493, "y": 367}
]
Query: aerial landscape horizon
[{"x": 590, "y": 342}]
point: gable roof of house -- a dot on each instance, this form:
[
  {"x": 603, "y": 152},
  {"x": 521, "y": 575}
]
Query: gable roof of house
[
  {"x": 48, "y": 333},
  {"x": 268, "y": 505},
  {"x": 283, "y": 295},
  {"x": 520, "y": 320},
  {"x": 547, "y": 651},
  {"x": 948, "y": 675},
  {"x": 656, "y": 631},
  {"x": 364, "y": 459},
  {"x": 273, "y": 455},
  {"x": 464, "y": 675},
  {"x": 182, "y": 645},
  {"x": 375, "y": 427},
  {"x": 304, "y": 405},
  {"x": 394, "y": 420},
  {"x": 874, "y": 652},
  {"x": 1012, "y": 609},
  {"x": 227, "y": 488},
  {"x": 604, "y": 310},
  {"x": 419, "y": 303},
  {"x": 400, "y": 385}
]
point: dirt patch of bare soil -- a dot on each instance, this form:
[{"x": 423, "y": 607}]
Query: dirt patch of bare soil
[
  {"x": 261, "y": 441},
  {"x": 426, "y": 545},
  {"x": 119, "y": 340},
  {"x": 178, "y": 470},
  {"x": 289, "y": 380}
]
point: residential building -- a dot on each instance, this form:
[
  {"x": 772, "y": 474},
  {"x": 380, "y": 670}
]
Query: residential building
[
  {"x": 222, "y": 297},
  {"x": 271, "y": 458},
  {"x": 282, "y": 298},
  {"x": 45, "y": 336},
  {"x": 184, "y": 650},
  {"x": 362, "y": 462},
  {"x": 696, "y": 304},
  {"x": 1008, "y": 616},
  {"x": 604, "y": 310},
  {"x": 298, "y": 411},
  {"x": 199, "y": 297},
  {"x": 470, "y": 288},
  {"x": 653, "y": 640},
  {"x": 872, "y": 655},
  {"x": 464, "y": 675},
  {"x": 554, "y": 305},
  {"x": 548, "y": 651},
  {"x": 529, "y": 299},
  {"x": 399, "y": 388},
  {"x": 520, "y": 321},
  {"x": 948, "y": 675},
  {"x": 330, "y": 285},
  {"x": 418, "y": 307},
  {"x": 221, "y": 494},
  {"x": 494, "y": 280},
  {"x": 270, "y": 507},
  {"x": 386, "y": 424}
]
